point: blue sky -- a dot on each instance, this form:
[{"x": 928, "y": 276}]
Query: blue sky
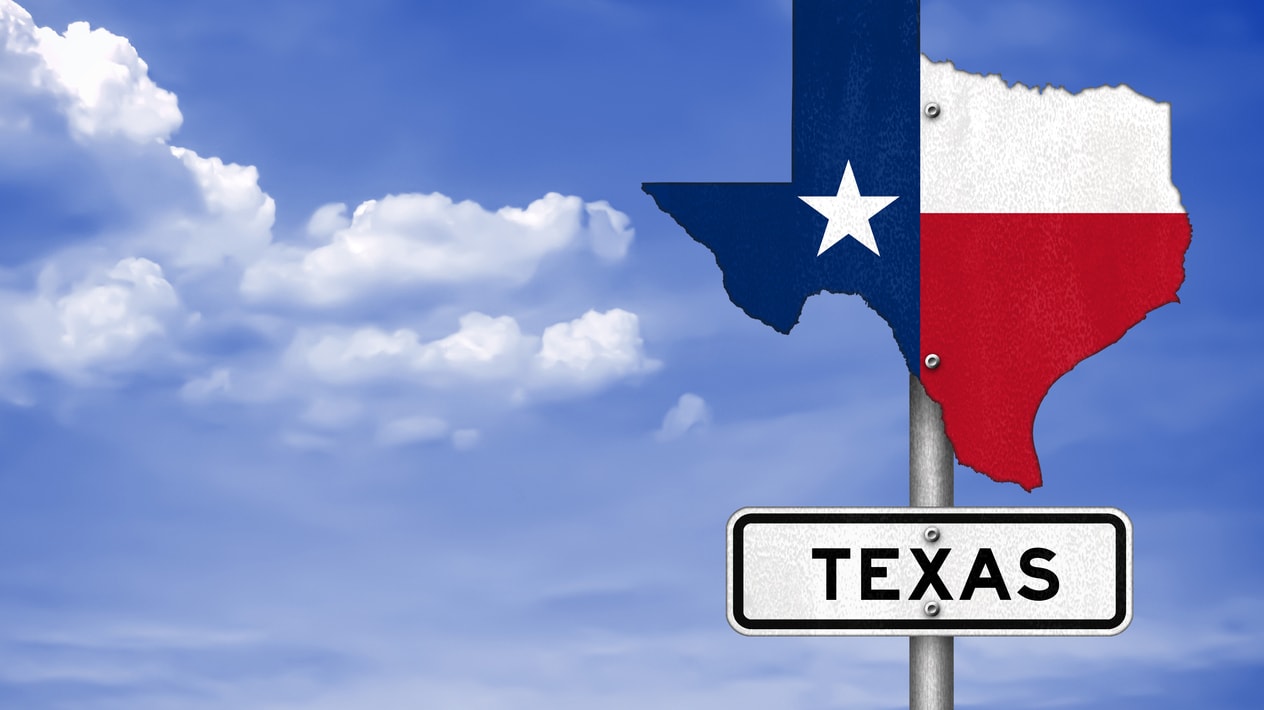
[{"x": 483, "y": 458}]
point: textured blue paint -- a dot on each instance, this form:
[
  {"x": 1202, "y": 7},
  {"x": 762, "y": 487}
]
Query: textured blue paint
[{"x": 856, "y": 98}]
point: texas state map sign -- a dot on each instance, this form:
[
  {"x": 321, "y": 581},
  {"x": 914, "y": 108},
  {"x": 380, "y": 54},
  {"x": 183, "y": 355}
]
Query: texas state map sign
[{"x": 1004, "y": 232}]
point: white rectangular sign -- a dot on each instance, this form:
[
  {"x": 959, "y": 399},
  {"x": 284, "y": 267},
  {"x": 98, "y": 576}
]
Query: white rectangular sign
[{"x": 929, "y": 571}]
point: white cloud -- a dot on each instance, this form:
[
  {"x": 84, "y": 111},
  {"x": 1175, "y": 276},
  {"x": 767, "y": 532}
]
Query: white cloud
[
  {"x": 19, "y": 36},
  {"x": 237, "y": 222},
  {"x": 587, "y": 352},
  {"x": 219, "y": 381},
  {"x": 345, "y": 376},
  {"x": 412, "y": 430},
  {"x": 609, "y": 229},
  {"x": 327, "y": 219},
  {"x": 110, "y": 317},
  {"x": 690, "y": 412},
  {"x": 178, "y": 267},
  {"x": 102, "y": 319},
  {"x": 592, "y": 350},
  {"x": 98, "y": 83},
  {"x": 414, "y": 239},
  {"x": 483, "y": 347},
  {"x": 103, "y": 83}
]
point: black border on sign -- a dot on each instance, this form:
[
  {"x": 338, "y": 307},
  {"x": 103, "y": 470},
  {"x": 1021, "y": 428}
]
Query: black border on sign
[{"x": 1121, "y": 572}]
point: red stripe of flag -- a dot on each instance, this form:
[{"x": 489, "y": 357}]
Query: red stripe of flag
[{"x": 1011, "y": 302}]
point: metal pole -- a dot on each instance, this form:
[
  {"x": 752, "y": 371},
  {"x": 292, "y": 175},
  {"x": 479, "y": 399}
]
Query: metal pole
[{"x": 930, "y": 485}]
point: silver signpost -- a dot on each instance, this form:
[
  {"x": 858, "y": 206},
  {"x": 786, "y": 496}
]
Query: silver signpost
[
  {"x": 866, "y": 101},
  {"x": 930, "y": 486},
  {"x": 930, "y": 571}
]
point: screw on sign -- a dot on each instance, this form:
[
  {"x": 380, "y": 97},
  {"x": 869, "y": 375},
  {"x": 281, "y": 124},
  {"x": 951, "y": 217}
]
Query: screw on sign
[{"x": 1005, "y": 233}]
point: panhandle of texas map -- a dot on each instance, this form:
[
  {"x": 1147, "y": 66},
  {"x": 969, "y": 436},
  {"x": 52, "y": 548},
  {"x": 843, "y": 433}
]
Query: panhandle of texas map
[{"x": 1004, "y": 232}]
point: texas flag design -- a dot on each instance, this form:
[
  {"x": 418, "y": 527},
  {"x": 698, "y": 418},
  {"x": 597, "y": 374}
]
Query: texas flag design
[{"x": 1005, "y": 233}]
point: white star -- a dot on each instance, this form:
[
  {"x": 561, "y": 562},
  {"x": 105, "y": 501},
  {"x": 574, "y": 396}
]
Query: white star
[{"x": 848, "y": 213}]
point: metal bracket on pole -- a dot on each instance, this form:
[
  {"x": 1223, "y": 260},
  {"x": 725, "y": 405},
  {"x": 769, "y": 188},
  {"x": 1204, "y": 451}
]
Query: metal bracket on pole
[{"x": 930, "y": 485}]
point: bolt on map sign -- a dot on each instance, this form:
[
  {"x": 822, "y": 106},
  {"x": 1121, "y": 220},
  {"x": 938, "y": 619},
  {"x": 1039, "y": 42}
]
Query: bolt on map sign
[{"x": 1005, "y": 233}]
